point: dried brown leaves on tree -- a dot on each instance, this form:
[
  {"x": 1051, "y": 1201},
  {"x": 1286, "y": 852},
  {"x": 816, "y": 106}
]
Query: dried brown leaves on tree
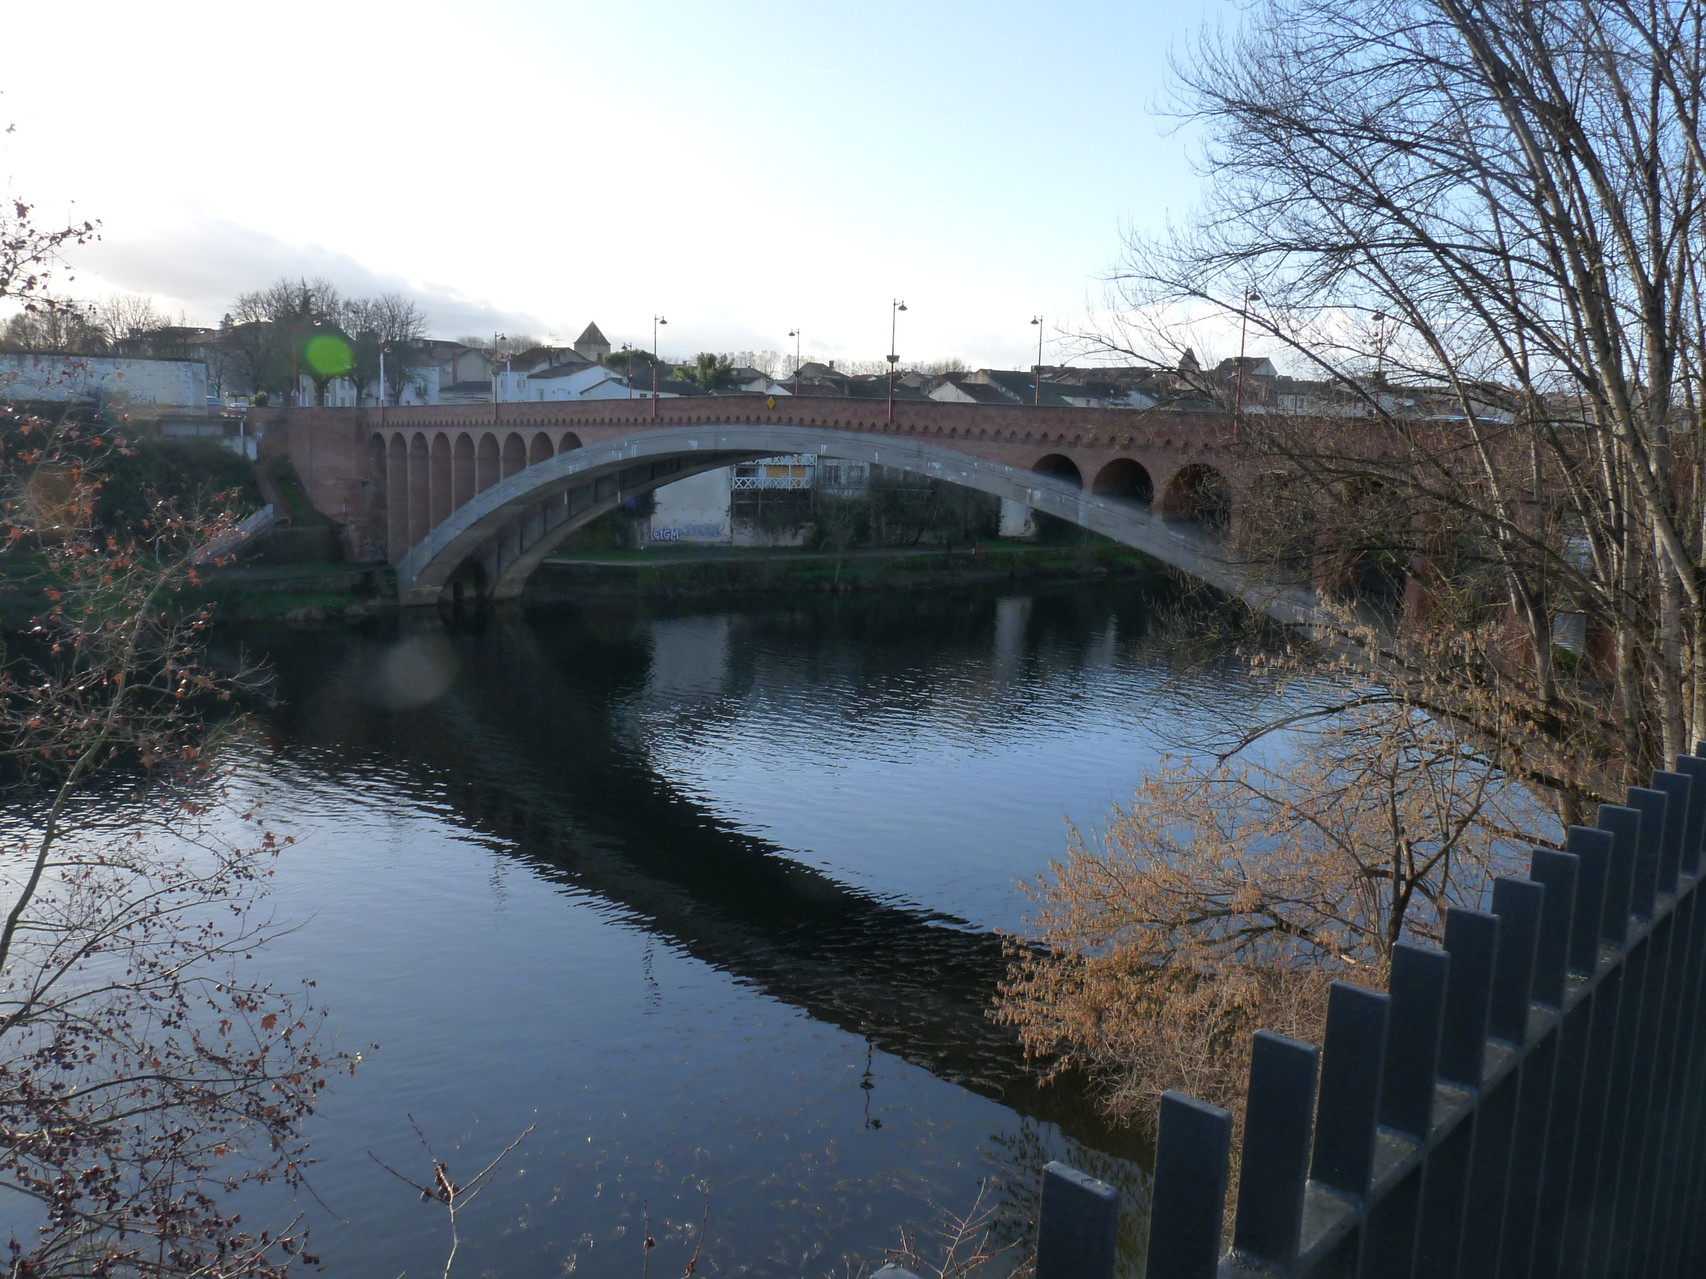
[{"x": 1229, "y": 894}]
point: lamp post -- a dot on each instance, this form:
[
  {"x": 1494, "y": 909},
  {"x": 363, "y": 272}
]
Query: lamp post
[
  {"x": 496, "y": 338},
  {"x": 896, "y": 306},
  {"x": 628, "y": 368},
  {"x": 1038, "y": 378},
  {"x": 383, "y": 347},
  {"x": 1250, "y": 295},
  {"x": 656, "y": 320},
  {"x": 795, "y": 334}
]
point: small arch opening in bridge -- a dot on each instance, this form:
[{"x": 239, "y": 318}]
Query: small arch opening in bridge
[
  {"x": 462, "y": 470},
  {"x": 1200, "y": 494},
  {"x": 488, "y": 464},
  {"x": 1364, "y": 542},
  {"x": 540, "y": 449},
  {"x": 1062, "y": 468},
  {"x": 1125, "y": 479},
  {"x": 515, "y": 454}
]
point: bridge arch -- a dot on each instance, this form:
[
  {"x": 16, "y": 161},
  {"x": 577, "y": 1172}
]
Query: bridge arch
[
  {"x": 420, "y": 496},
  {"x": 1062, "y": 468},
  {"x": 539, "y": 449},
  {"x": 1200, "y": 493},
  {"x": 488, "y": 464},
  {"x": 462, "y": 470},
  {"x": 506, "y": 531},
  {"x": 514, "y": 454},
  {"x": 1124, "y": 478}
]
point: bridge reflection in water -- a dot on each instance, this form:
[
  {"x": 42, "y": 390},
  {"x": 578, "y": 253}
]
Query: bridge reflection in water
[{"x": 575, "y": 751}]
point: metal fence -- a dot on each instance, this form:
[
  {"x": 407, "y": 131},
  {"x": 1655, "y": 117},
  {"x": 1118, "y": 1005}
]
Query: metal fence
[{"x": 1528, "y": 1102}]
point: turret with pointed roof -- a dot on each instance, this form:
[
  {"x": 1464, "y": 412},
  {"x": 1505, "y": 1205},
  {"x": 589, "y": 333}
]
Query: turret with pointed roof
[{"x": 592, "y": 345}]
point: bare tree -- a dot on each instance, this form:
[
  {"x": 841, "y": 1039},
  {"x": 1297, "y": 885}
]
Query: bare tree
[
  {"x": 123, "y": 316},
  {"x": 1480, "y": 221},
  {"x": 267, "y": 332},
  {"x": 57, "y": 326},
  {"x": 389, "y": 323}
]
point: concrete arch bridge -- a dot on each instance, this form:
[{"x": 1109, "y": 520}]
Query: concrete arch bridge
[{"x": 474, "y": 497}]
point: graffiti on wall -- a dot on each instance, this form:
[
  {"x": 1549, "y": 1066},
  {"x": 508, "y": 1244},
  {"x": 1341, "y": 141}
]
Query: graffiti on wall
[{"x": 689, "y": 532}]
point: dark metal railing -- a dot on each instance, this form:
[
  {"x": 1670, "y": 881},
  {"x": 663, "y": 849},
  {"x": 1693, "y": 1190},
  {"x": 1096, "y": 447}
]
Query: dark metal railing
[{"x": 1528, "y": 1101}]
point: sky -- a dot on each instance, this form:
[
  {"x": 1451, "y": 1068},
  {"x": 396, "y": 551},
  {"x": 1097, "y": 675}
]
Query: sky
[{"x": 528, "y": 166}]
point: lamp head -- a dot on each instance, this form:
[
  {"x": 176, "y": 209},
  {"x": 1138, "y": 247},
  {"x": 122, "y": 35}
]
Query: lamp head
[{"x": 900, "y": 306}]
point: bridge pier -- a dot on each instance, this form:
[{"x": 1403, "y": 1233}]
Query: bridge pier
[{"x": 1017, "y": 520}]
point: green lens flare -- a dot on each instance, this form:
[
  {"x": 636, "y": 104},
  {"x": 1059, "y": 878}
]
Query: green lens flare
[{"x": 328, "y": 355}]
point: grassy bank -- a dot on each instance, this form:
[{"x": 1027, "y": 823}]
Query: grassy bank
[
  {"x": 319, "y": 592},
  {"x": 720, "y": 570}
]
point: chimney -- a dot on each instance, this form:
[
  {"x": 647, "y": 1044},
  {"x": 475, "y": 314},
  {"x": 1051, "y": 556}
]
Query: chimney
[{"x": 832, "y": 366}]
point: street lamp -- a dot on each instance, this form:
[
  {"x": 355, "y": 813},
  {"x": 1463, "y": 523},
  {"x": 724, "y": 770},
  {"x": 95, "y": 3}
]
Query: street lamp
[
  {"x": 1038, "y": 321},
  {"x": 383, "y": 347},
  {"x": 1250, "y": 295},
  {"x": 656, "y": 320},
  {"x": 795, "y": 334},
  {"x": 497, "y": 338},
  {"x": 896, "y": 306}
]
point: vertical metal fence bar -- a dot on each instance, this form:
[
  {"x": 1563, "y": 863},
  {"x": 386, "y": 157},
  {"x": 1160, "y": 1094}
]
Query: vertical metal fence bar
[
  {"x": 1680, "y": 1237},
  {"x": 1678, "y": 1204},
  {"x": 1592, "y": 1033},
  {"x": 1275, "y": 1165},
  {"x": 1560, "y": 873},
  {"x": 1637, "y": 1038},
  {"x": 1517, "y": 905},
  {"x": 1502, "y": 1202},
  {"x": 1078, "y": 1227},
  {"x": 1592, "y": 849},
  {"x": 1192, "y": 1152},
  {"x": 1654, "y": 807},
  {"x": 1471, "y": 940},
  {"x": 1349, "y": 1104},
  {"x": 1656, "y": 1172},
  {"x": 1417, "y": 989},
  {"x": 1628, "y": 981},
  {"x": 1624, "y": 826}
]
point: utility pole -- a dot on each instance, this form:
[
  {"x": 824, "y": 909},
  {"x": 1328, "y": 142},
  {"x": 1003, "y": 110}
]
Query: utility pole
[
  {"x": 656, "y": 320},
  {"x": 895, "y": 308}
]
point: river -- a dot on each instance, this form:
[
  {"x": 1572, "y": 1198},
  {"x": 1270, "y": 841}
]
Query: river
[{"x": 707, "y": 895}]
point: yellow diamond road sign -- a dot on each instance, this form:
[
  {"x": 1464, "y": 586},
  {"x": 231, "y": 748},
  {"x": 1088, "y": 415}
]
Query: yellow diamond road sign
[{"x": 770, "y": 402}]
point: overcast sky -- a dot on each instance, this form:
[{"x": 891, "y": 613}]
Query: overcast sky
[{"x": 742, "y": 168}]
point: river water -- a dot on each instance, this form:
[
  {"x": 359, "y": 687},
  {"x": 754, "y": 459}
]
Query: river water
[{"x": 707, "y": 895}]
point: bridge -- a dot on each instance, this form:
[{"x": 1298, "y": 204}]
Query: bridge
[{"x": 472, "y": 498}]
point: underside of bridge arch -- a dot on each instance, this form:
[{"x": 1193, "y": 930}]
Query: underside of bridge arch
[
  {"x": 1200, "y": 494},
  {"x": 1126, "y": 479},
  {"x": 1061, "y": 467},
  {"x": 494, "y": 542}
]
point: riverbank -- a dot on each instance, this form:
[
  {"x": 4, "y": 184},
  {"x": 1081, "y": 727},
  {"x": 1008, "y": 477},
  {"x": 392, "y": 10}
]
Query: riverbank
[
  {"x": 321, "y": 592},
  {"x": 679, "y": 571}
]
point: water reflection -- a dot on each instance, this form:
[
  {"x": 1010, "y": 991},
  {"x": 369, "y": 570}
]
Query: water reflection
[{"x": 823, "y": 802}]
